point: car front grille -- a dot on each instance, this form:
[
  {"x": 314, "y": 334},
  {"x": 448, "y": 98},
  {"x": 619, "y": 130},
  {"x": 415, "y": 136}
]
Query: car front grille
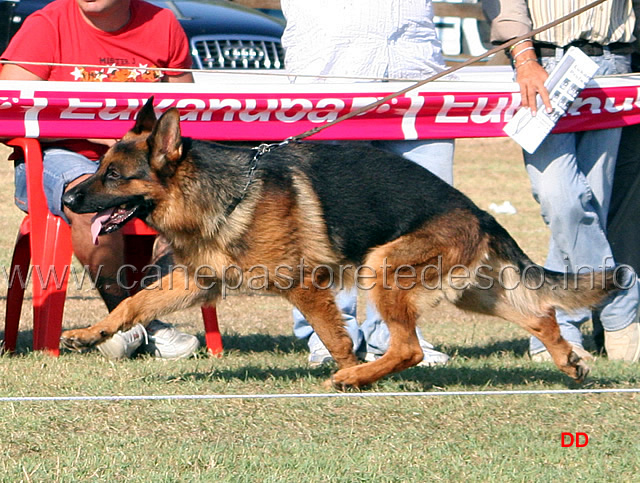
[{"x": 237, "y": 54}]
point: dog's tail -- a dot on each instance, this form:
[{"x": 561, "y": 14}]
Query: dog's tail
[{"x": 532, "y": 289}]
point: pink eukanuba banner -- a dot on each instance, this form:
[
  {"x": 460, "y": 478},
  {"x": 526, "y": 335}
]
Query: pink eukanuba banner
[{"x": 272, "y": 112}]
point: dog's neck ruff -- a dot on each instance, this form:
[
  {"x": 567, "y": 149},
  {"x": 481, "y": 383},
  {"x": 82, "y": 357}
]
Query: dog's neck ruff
[{"x": 261, "y": 150}]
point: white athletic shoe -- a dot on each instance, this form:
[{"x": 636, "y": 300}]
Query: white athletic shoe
[
  {"x": 123, "y": 344},
  {"x": 544, "y": 355},
  {"x": 431, "y": 356},
  {"x": 166, "y": 342}
]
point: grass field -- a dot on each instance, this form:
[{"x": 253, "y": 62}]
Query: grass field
[{"x": 443, "y": 438}]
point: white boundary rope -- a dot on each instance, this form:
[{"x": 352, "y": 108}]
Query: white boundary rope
[
  {"x": 200, "y": 397},
  {"x": 252, "y": 72}
]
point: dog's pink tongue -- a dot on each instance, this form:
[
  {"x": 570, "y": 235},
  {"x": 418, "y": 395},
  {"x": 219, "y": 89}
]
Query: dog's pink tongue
[{"x": 96, "y": 223}]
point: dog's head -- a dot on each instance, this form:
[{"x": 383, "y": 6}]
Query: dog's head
[{"x": 133, "y": 173}]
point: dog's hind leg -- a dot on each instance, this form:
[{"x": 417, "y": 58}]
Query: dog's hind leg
[
  {"x": 320, "y": 310},
  {"x": 398, "y": 310},
  {"x": 401, "y": 269},
  {"x": 395, "y": 294},
  {"x": 566, "y": 359},
  {"x": 173, "y": 292},
  {"x": 540, "y": 322}
]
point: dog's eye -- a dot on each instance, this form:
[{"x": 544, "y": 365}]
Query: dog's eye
[{"x": 113, "y": 173}]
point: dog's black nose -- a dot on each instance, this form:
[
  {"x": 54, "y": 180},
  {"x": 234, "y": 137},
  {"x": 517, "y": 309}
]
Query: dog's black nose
[{"x": 72, "y": 199}]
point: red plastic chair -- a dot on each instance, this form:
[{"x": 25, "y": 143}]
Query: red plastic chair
[{"x": 45, "y": 240}]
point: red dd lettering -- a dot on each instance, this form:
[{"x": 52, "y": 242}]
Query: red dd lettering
[
  {"x": 564, "y": 440},
  {"x": 586, "y": 440}
]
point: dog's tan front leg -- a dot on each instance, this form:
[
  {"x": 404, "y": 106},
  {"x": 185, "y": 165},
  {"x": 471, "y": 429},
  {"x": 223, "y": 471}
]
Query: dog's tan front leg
[{"x": 173, "y": 292}]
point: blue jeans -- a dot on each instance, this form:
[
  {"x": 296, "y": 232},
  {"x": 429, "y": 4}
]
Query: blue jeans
[
  {"x": 60, "y": 167},
  {"x": 571, "y": 177},
  {"x": 437, "y": 157}
]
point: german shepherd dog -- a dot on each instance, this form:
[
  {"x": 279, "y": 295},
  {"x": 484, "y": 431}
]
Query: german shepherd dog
[{"x": 302, "y": 214}]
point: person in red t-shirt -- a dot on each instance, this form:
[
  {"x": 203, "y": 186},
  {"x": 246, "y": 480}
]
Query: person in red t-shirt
[{"x": 102, "y": 41}]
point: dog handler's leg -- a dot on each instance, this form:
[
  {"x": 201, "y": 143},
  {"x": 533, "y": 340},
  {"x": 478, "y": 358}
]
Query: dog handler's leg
[
  {"x": 173, "y": 292},
  {"x": 103, "y": 260},
  {"x": 319, "y": 308}
]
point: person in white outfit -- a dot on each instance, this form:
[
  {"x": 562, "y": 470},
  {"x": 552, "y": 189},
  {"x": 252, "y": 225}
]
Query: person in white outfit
[{"x": 374, "y": 39}]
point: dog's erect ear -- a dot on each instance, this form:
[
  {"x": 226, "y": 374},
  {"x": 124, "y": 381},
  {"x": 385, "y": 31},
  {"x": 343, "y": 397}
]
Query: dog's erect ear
[
  {"x": 146, "y": 119},
  {"x": 165, "y": 143}
]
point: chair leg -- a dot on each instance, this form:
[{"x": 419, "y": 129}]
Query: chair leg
[
  {"x": 50, "y": 280},
  {"x": 51, "y": 252},
  {"x": 212, "y": 331},
  {"x": 15, "y": 292}
]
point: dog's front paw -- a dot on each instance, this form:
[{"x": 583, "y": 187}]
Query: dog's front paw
[{"x": 81, "y": 340}]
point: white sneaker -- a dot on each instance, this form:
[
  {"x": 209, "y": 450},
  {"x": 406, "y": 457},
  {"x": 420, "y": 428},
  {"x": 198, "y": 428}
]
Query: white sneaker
[
  {"x": 166, "y": 342},
  {"x": 431, "y": 357},
  {"x": 320, "y": 357},
  {"x": 123, "y": 344},
  {"x": 544, "y": 356}
]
